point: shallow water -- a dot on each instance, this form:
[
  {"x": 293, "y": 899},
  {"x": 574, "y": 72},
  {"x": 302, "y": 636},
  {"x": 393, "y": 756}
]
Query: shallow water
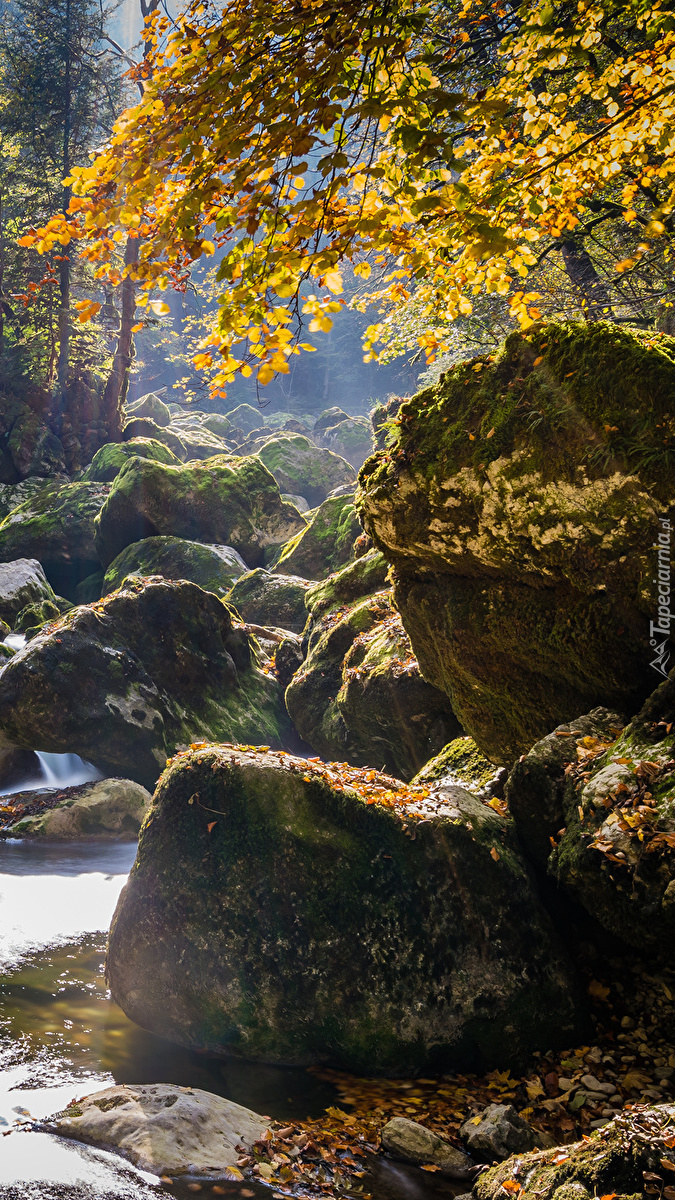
[{"x": 61, "y": 1036}]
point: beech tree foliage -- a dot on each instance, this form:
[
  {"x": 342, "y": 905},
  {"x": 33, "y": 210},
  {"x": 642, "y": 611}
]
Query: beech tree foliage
[{"x": 443, "y": 148}]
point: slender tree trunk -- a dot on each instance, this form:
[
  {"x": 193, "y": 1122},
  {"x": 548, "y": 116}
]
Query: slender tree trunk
[
  {"x": 64, "y": 265},
  {"x": 585, "y": 278},
  {"x": 118, "y": 380},
  {"x": 2, "y": 272}
]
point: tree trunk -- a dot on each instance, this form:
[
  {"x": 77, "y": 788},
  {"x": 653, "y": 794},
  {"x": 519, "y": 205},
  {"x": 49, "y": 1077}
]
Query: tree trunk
[
  {"x": 64, "y": 265},
  {"x": 585, "y": 278},
  {"x": 118, "y": 380}
]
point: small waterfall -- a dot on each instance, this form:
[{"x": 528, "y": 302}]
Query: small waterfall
[{"x": 65, "y": 770}]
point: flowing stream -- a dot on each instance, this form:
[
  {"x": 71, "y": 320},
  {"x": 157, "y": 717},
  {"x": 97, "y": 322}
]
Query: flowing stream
[{"x": 61, "y": 1036}]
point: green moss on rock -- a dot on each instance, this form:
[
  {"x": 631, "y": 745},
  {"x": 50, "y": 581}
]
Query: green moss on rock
[
  {"x": 305, "y": 925},
  {"x": 460, "y": 762},
  {"x": 56, "y": 526},
  {"x": 264, "y": 598},
  {"x": 324, "y": 544},
  {"x": 304, "y": 469},
  {"x": 222, "y": 501},
  {"x": 359, "y": 696},
  {"x": 109, "y": 460},
  {"x": 124, "y": 681},
  {"x": 518, "y": 503},
  {"x": 213, "y": 568}
]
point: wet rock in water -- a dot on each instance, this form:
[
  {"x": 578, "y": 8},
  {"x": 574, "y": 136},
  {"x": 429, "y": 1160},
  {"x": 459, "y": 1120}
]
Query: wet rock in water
[
  {"x": 303, "y": 468},
  {"x": 213, "y": 568},
  {"x": 163, "y": 1129},
  {"x": 152, "y": 406},
  {"x": 461, "y": 763},
  {"x": 351, "y": 438},
  {"x": 22, "y": 582},
  {"x": 415, "y": 1143},
  {"x": 109, "y": 460},
  {"x": 615, "y": 856},
  {"x": 523, "y": 555},
  {"x": 109, "y": 809},
  {"x": 611, "y": 1161},
  {"x": 359, "y": 696},
  {"x": 277, "y": 913},
  {"x": 143, "y": 427},
  {"x": 267, "y": 598},
  {"x": 299, "y": 502},
  {"x": 245, "y": 417},
  {"x": 56, "y": 526},
  {"x": 122, "y": 683},
  {"x": 223, "y": 501},
  {"x": 534, "y": 789},
  {"x": 17, "y": 765},
  {"x": 498, "y": 1132},
  {"x": 323, "y": 545}
]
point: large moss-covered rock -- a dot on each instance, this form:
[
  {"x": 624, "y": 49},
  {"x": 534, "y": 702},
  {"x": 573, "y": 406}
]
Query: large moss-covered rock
[
  {"x": 200, "y": 443},
  {"x": 519, "y": 504},
  {"x": 34, "y": 449},
  {"x": 151, "y": 406},
  {"x": 22, "y": 582},
  {"x": 359, "y": 696},
  {"x": 245, "y": 417},
  {"x": 363, "y": 577},
  {"x": 304, "y": 469},
  {"x": 224, "y": 501},
  {"x": 216, "y": 423},
  {"x": 123, "y": 682},
  {"x": 617, "y": 1160},
  {"x": 56, "y": 526},
  {"x": 109, "y": 809},
  {"x": 351, "y": 438},
  {"x": 264, "y": 598},
  {"x": 144, "y": 427},
  {"x": 12, "y": 495},
  {"x": 298, "y": 912},
  {"x": 324, "y": 544},
  {"x": 616, "y": 856},
  {"x": 212, "y": 567},
  {"x": 109, "y": 460}
]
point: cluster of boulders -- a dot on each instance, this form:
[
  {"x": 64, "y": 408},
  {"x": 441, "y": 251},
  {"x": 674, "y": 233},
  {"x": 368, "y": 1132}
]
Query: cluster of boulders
[{"x": 413, "y": 731}]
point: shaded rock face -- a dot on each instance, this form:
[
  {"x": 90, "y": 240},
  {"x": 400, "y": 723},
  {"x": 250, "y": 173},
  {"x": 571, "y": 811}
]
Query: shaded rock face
[
  {"x": 56, "y": 526},
  {"x": 501, "y": 1131},
  {"x": 616, "y": 857},
  {"x": 121, "y": 683},
  {"x": 323, "y": 545},
  {"x": 523, "y": 553},
  {"x": 33, "y": 448},
  {"x": 352, "y": 439},
  {"x": 536, "y": 786},
  {"x": 213, "y": 568},
  {"x": 110, "y": 809},
  {"x": 225, "y": 501},
  {"x": 304, "y": 469},
  {"x": 109, "y": 460},
  {"x": 611, "y": 1161},
  {"x": 22, "y": 582},
  {"x": 310, "y": 925},
  {"x": 265, "y": 598},
  {"x": 151, "y": 406},
  {"x": 145, "y": 427},
  {"x": 245, "y": 417},
  {"x": 163, "y": 1129},
  {"x": 359, "y": 696}
]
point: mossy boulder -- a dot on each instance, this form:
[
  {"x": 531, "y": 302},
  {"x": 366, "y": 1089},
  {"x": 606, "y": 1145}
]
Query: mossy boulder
[
  {"x": 214, "y": 568},
  {"x": 124, "y": 681},
  {"x": 223, "y": 501},
  {"x": 12, "y": 495},
  {"x": 33, "y": 616},
  {"x": 328, "y": 417},
  {"x": 264, "y": 598},
  {"x": 22, "y": 582},
  {"x": 352, "y": 439},
  {"x": 461, "y": 763},
  {"x": 56, "y": 526},
  {"x": 199, "y": 442},
  {"x": 359, "y": 696},
  {"x": 245, "y": 417},
  {"x": 363, "y": 577},
  {"x": 616, "y": 1160},
  {"x": 296, "y": 913},
  {"x": 109, "y": 460},
  {"x": 33, "y": 448},
  {"x": 304, "y": 469},
  {"x": 144, "y": 427},
  {"x": 324, "y": 544},
  {"x": 90, "y": 588},
  {"x": 216, "y": 423},
  {"x": 616, "y": 856},
  {"x": 151, "y": 406},
  {"x": 109, "y": 809},
  {"x": 519, "y": 503}
]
